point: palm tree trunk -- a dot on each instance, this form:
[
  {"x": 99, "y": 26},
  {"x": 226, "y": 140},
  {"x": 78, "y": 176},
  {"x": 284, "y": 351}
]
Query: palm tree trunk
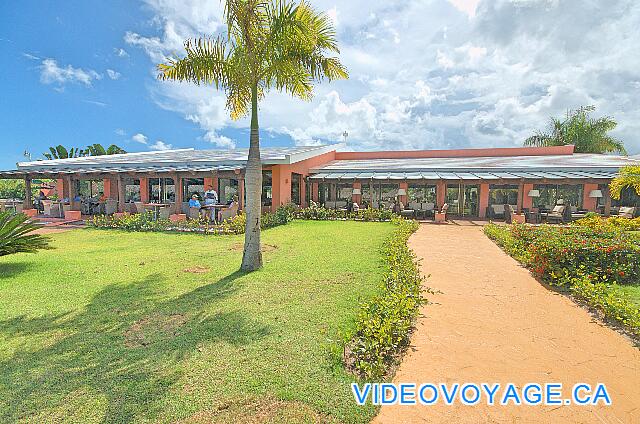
[{"x": 252, "y": 257}]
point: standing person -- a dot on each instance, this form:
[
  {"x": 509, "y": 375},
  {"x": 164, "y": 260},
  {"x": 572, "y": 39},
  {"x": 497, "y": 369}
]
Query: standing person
[{"x": 210, "y": 196}]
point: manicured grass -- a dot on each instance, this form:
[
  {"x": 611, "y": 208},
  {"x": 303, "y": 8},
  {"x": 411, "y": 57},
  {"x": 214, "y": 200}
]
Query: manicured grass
[
  {"x": 633, "y": 292},
  {"x": 146, "y": 327}
]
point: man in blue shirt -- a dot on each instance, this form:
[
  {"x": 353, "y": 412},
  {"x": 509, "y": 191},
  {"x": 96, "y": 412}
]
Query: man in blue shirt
[{"x": 194, "y": 202}]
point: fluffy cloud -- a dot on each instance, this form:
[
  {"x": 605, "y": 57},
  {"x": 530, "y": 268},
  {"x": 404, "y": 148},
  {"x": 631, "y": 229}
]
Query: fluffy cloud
[
  {"x": 160, "y": 145},
  {"x": 433, "y": 74},
  {"x": 113, "y": 74},
  {"x": 52, "y": 73},
  {"x": 139, "y": 138}
]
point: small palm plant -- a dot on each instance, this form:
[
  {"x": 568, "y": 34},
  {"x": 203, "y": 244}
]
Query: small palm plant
[
  {"x": 629, "y": 176},
  {"x": 15, "y": 237}
]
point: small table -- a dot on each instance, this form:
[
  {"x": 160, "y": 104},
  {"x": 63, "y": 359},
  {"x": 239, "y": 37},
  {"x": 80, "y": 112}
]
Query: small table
[
  {"x": 214, "y": 210},
  {"x": 156, "y": 208}
]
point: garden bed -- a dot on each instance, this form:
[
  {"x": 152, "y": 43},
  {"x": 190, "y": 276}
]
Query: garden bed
[{"x": 596, "y": 265}]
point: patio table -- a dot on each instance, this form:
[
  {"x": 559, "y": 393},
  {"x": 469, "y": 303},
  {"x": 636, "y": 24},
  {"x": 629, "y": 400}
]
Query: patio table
[
  {"x": 214, "y": 210},
  {"x": 156, "y": 208}
]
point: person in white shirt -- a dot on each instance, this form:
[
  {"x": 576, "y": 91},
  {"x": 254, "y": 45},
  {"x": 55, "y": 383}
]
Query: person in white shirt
[{"x": 210, "y": 196}]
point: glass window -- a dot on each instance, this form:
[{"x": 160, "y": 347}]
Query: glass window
[
  {"x": 162, "y": 190},
  {"x": 267, "y": 194},
  {"x": 421, "y": 193},
  {"x": 228, "y": 189},
  {"x": 503, "y": 194},
  {"x": 344, "y": 191},
  {"x": 388, "y": 192},
  {"x": 131, "y": 189},
  {"x": 325, "y": 194},
  {"x": 550, "y": 194},
  {"x": 296, "y": 183},
  {"x": 191, "y": 186},
  {"x": 88, "y": 189}
]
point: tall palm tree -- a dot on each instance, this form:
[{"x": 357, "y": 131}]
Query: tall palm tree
[
  {"x": 628, "y": 177},
  {"x": 269, "y": 44},
  {"x": 589, "y": 135}
]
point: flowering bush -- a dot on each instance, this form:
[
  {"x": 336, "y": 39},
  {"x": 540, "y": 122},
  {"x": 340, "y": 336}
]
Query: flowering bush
[
  {"x": 612, "y": 223},
  {"x": 558, "y": 252}
]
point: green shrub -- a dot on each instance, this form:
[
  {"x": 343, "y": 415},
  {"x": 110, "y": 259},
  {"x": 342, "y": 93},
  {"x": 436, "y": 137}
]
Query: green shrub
[
  {"x": 320, "y": 213},
  {"x": 613, "y": 223},
  {"x": 384, "y": 324}
]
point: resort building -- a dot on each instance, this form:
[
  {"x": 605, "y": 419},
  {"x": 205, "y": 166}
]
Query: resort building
[{"x": 470, "y": 181}]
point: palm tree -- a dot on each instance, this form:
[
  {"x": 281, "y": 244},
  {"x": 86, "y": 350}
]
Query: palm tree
[
  {"x": 269, "y": 44},
  {"x": 15, "y": 237},
  {"x": 98, "y": 150},
  {"x": 60, "y": 152},
  {"x": 628, "y": 177},
  {"x": 589, "y": 135}
]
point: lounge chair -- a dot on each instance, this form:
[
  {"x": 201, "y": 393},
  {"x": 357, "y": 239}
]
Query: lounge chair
[
  {"x": 557, "y": 215},
  {"x": 139, "y": 207},
  {"x": 497, "y": 211},
  {"x": 163, "y": 213},
  {"x": 329, "y": 205},
  {"x": 626, "y": 212},
  {"x": 416, "y": 206}
]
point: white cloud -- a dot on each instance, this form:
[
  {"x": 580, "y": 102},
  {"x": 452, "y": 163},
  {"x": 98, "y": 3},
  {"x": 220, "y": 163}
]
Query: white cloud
[
  {"x": 120, "y": 132},
  {"x": 120, "y": 52},
  {"x": 139, "y": 138},
  {"x": 425, "y": 75},
  {"x": 160, "y": 145},
  {"x": 95, "y": 103},
  {"x": 30, "y": 56},
  {"x": 114, "y": 75},
  {"x": 51, "y": 73}
]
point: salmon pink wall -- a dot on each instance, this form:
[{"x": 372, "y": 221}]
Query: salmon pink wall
[
  {"x": 589, "y": 203},
  {"x": 484, "y": 200},
  {"x": 527, "y": 202},
  {"x": 281, "y": 176}
]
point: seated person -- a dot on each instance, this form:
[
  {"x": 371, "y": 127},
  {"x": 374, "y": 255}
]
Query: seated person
[
  {"x": 210, "y": 196},
  {"x": 194, "y": 202}
]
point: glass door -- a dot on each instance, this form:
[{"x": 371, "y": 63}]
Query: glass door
[{"x": 463, "y": 199}]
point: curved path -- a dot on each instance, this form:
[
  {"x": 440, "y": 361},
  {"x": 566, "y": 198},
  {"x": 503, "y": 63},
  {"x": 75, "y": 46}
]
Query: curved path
[{"x": 493, "y": 322}]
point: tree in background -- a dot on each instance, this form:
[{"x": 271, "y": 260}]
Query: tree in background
[
  {"x": 589, "y": 135},
  {"x": 628, "y": 177},
  {"x": 15, "y": 234},
  {"x": 61, "y": 152},
  {"x": 269, "y": 44}
]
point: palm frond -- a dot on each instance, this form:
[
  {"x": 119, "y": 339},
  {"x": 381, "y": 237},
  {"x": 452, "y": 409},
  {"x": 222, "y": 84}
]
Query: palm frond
[
  {"x": 205, "y": 63},
  {"x": 15, "y": 237}
]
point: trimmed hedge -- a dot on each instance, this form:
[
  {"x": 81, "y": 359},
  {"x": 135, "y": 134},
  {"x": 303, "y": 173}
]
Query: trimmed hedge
[
  {"x": 384, "y": 324},
  {"x": 589, "y": 261},
  {"x": 320, "y": 213}
]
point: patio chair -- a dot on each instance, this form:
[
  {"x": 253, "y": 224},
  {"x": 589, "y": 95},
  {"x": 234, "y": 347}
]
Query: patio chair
[
  {"x": 557, "y": 215},
  {"x": 428, "y": 208},
  {"x": 110, "y": 206},
  {"x": 341, "y": 205},
  {"x": 626, "y": 212},
  {"x": 229, "y": 212},
  {"x": 497, "y": 211},
  {"x": 164, "y": 213},
  {"x": 194, "y": 213},
  {"x": 329, "y": 205},
  {"x": 507, "y": 212},
  {"x": 139, "y": 207}
]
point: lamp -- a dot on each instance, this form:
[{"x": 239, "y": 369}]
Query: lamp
[
  {"x": 356, "y": 192},
  {"x": 402, "y": 192},
  {"x": 596, "y": 194},
  {"x": 534, "y": 193}
]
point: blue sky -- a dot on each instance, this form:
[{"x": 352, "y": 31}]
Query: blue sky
[{"x": 424, "y": 74}]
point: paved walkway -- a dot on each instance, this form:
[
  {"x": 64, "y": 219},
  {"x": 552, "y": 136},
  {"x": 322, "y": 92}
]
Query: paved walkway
[{"x": 494, "y": 323}]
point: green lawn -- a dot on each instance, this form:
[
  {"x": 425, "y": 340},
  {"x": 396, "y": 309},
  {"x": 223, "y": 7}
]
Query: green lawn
[{"x": 146, "y": 327}]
